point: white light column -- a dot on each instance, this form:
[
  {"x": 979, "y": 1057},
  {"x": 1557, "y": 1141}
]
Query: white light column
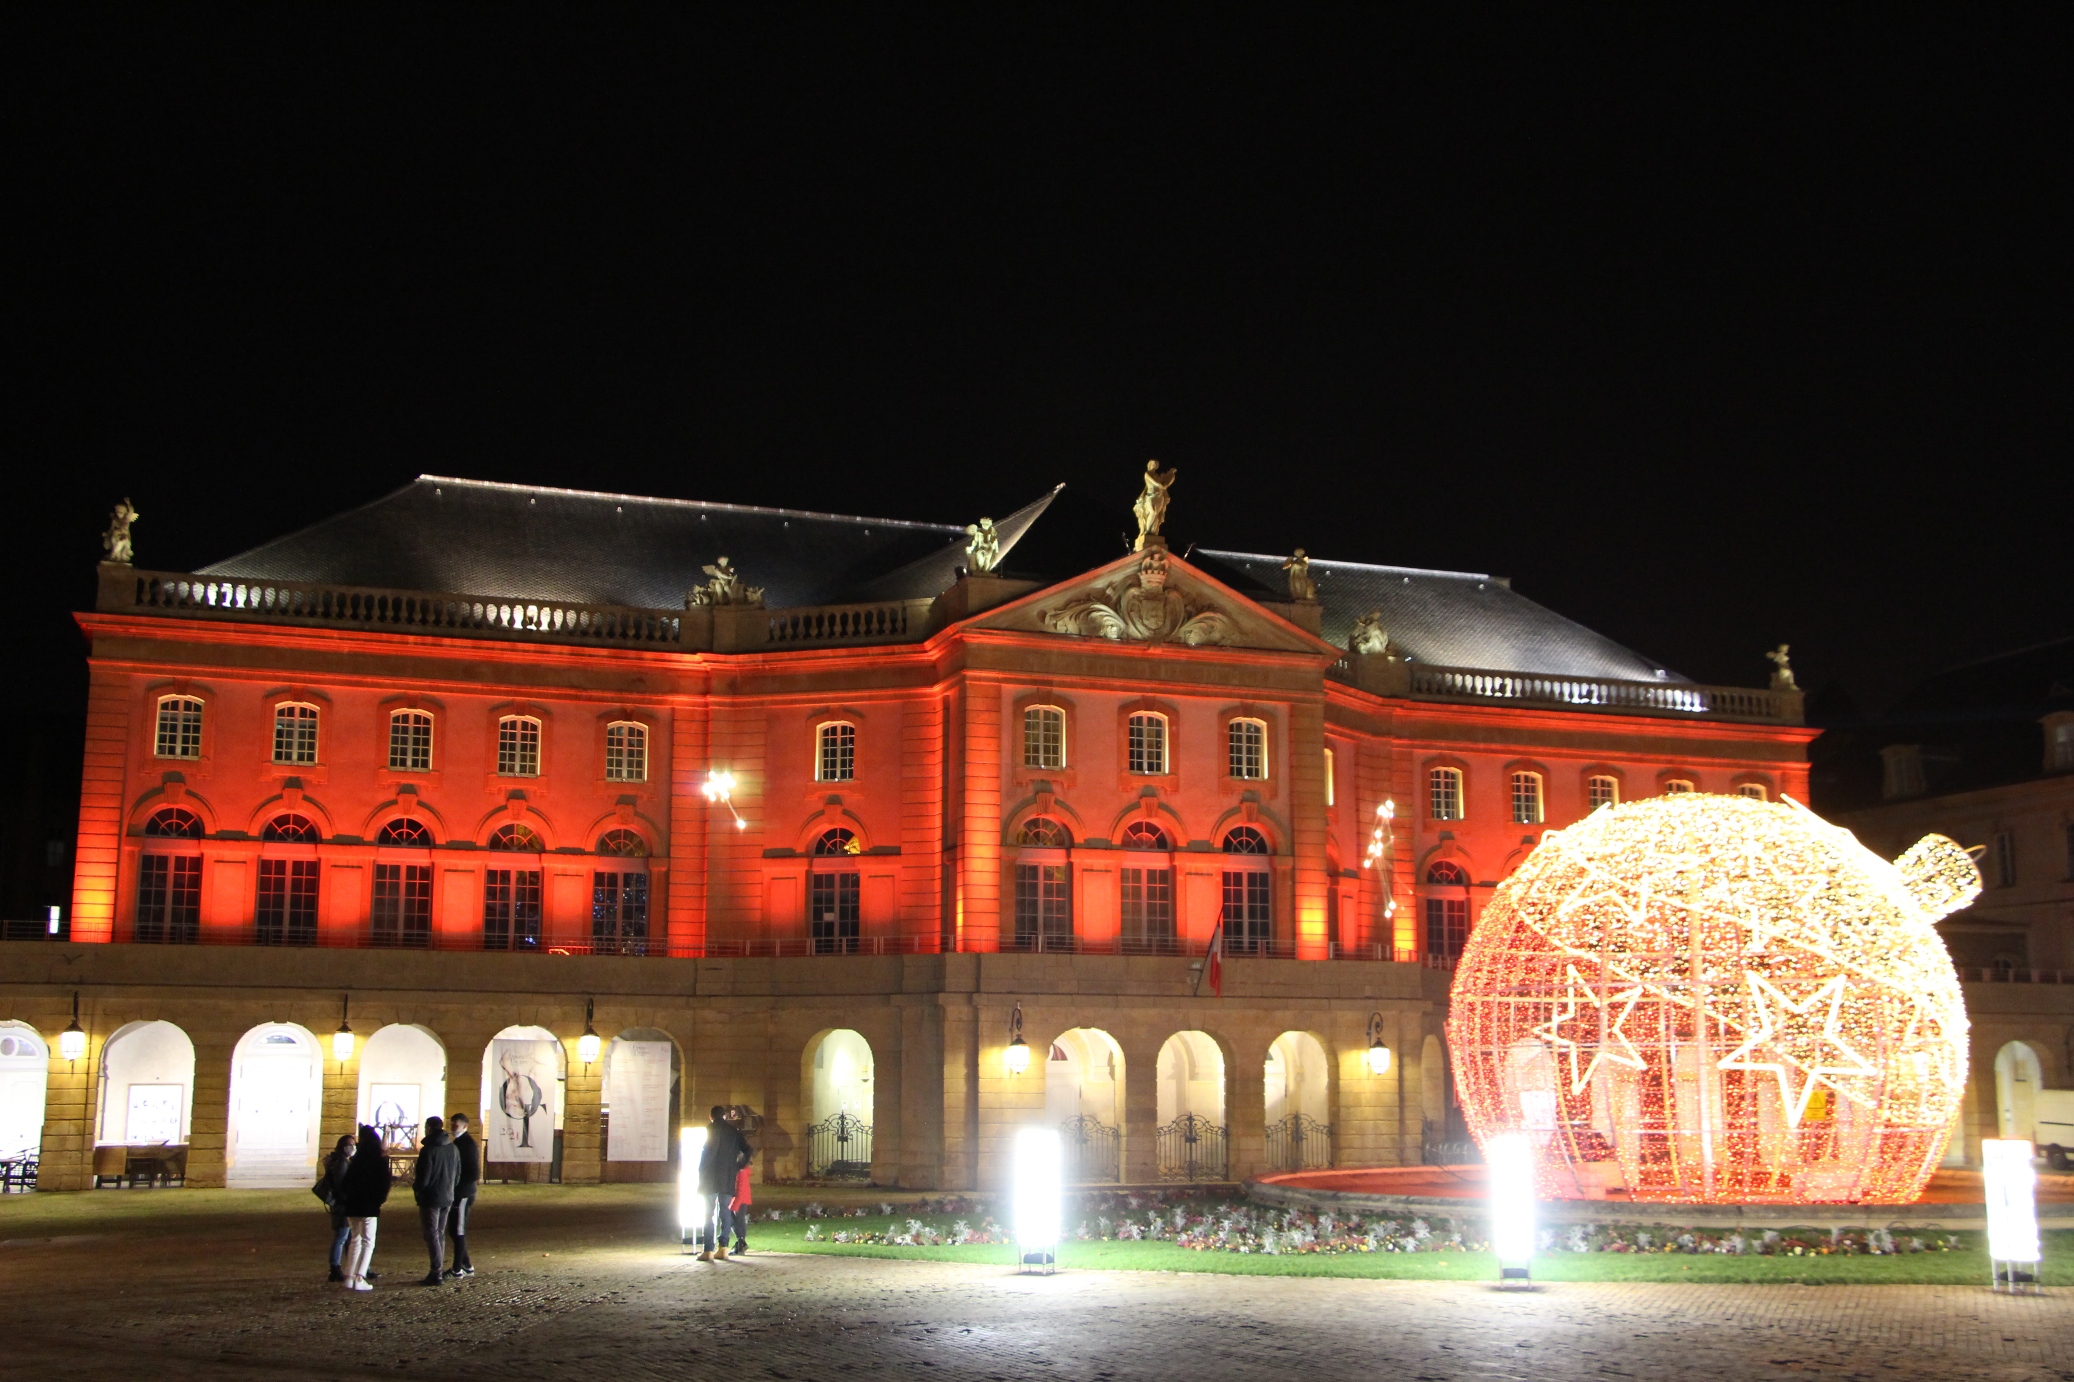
[
  {"x": 2012, "y": 1193},
  {"x": 1038, "y": 1192},
  {"x": 1509, "y": 1158}
]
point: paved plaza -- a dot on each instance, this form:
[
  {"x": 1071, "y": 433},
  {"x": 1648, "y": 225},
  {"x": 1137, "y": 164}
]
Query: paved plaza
[{"x": 197, "y": 1284}]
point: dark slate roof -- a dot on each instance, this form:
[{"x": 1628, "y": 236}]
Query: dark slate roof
[
  {"x": 1452, "y": 618},
  {"x": 526, "y": 541}
]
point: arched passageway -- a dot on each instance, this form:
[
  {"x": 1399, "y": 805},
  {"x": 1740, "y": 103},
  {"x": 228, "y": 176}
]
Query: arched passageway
[
  {"x": 24, "y": 1072},
  {"x": 525, "y": 1077},
  {"x": 1083, "y": 1099},
  {"x": 276, "y": 1101},
  {"x": 1297, "y": 1090},
  {"x": 1194, "y": 1141},
  {"x": 402, "y": 1083},
  {"x": 640, "y": 1095},
  {"x": 146, "y": 1106},
  {"x": 841, "y": 1076},
  {"x": 2018, "y": 1078}
]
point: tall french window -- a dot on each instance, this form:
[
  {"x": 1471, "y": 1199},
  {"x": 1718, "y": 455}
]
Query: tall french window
[
  {"x": 1444, "y": 787},
  {"x": 1148, "y": 744},
  {"x": 626, "y": 752},
  {"x": 295, "y": 734},
  {"x": 1044, "y": 737},
  {"x": 518, "y": 746},
  {"x": 1246, "y": 749},
  {"x": 837, "y": 759},
  {"x": 410, "y": 742},
  {"x": 179, "y": 727},
  {"x": 1526, "y": 798}
]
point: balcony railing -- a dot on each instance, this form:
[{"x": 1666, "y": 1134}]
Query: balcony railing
[{"x": 1428, "y": 682}]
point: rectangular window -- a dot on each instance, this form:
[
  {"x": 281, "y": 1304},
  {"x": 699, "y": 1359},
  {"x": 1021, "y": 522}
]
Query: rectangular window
[
  {"x": 1043, "y": 906},
  {"x": 403, "y": 904},
  {"x": 1526, "y": 798},
  {"x": 1148, "y": 747},
  {"x": 179, "y": 728},
  {"x": 1329, "y": 793},
  {"x": 2005, "y": 859},
  {"x": 518, "y": 747},
  {"x": 836, "y": 907},
  {"x": 1447, "y": 926},
  {"x": 1148, "y": 909},
  {"x": 169, "y": 899},
  {"x": 626, "y": 753},
  {"x": 837, "y": 761},
  {"x": 410, "y": 742},
  {"x": 1044, "y": 737},
  {"x": 619, "y": 913},
  {"x": 1602, "y": 791},
  {"x": 1753, "y": 790},
  {"x": 287, "y": 913},
  {"x": 1246, "y": 741},
  {"x": 1445, "y": 787},
  {"x": 511, "y": 909},
  {"x": 1248, "y": 916},
  {"x": 295, "y": 734}
]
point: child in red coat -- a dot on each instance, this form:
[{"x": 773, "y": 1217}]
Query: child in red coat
[{"x": 738, "y": 1211}]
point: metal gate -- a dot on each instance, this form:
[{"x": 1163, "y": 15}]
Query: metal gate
[
  {"x": 1297, "y": 1143},
  {"x": 1093, "y": 1151},
  {"x": 839, "y": 1148},
  {"x": 1193, "y": 1148}
]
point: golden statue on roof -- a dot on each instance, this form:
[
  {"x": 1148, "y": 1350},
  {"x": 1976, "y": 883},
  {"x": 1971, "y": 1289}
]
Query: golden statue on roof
[{"x": 1151, "y": 506}]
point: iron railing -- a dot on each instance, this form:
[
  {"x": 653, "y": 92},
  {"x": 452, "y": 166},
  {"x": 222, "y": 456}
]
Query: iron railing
[
  {"x": 1093, "y": 1151},
  {"x": 1193, "y": 1148},
  {"x": 1298, "y": 1143},
  {"x": 839, "y": 1148}
]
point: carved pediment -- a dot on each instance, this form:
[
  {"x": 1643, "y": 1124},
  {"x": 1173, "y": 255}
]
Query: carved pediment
[{"x": 1151, "y": 597}]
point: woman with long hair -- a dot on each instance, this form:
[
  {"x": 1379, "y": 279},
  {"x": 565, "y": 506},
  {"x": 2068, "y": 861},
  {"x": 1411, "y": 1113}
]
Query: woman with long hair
[{"x": 362, "y": 1190}]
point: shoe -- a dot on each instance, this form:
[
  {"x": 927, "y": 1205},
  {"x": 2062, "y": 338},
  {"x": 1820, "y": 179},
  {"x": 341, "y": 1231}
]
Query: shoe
[
  {"x": 464, "y": 1271},
  {"x": 358, "y": 1286},
  {"x": 337, "y": 1274},
  {"x": 720, "y": 1253},
  {"x": 741, "y": 1246},
  {"x": 370, "y": 1276},
  {"x": 706, "y": 1256},
  {"x": 451, "y": 1272},
  {"x": 429, "y": 1279}
]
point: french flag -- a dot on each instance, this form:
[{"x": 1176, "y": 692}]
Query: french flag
[{"x": 1213, "y": 959}]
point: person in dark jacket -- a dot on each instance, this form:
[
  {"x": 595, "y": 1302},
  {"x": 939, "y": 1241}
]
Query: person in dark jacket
[
  {"x": 725, "y": 1153},
  {"x": 465, "y": 1185},
  {"x": 439, "y": 1168},
  {"x": 361, "y": 1192},
  {"x": 329, "y": 1177}
]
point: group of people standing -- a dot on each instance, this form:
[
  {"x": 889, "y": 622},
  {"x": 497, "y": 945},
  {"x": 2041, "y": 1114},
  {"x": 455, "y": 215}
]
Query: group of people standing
[{"x": 355, "y": 1185}]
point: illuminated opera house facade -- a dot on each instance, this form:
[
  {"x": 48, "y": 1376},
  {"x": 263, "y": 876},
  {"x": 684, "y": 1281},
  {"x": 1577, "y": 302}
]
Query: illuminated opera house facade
[{"x": 832, "y": 823}]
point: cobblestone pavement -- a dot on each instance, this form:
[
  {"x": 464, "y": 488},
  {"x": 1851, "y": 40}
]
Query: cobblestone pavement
[{"x": 230, "y": 1296}]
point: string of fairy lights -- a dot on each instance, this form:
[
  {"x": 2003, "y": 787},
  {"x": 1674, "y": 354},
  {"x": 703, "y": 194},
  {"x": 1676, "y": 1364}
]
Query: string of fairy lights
[{"x": 1704, "y": 998}]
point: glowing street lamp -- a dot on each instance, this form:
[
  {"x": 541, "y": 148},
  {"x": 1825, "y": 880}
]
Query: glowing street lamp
[
  {"x": 1378, "y": 1054},
  {"x": 72, "y": 1041},
  {"x": 1017, "y": 1056},
  {"x": 720, "y": 787},
  {"x": 342, "y": 1039},
  {"x": 2012, "y": 1187},
  {"x": 691, "y": 1144},
  {"x": 1510, "y": 1160},
  {"x": 1038, "y": 1192},
  {"x": 587, "y": 1044}
]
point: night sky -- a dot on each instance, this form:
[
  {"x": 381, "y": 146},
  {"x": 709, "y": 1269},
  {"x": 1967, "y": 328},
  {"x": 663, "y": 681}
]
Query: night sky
[{"x": 1710, "y": 334}]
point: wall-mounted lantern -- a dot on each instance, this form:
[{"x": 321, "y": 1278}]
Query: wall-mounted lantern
[
  {"x": 342, "y": 1039},
  {"x": 587, "y": 1044},
  {"x": 1378, "y": 1053},
  {"x": 72, "y": 1041},
  {"x": 1017, "y": 1057}
]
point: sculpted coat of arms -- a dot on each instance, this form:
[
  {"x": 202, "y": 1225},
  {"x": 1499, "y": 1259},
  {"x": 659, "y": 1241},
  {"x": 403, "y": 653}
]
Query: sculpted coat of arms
[{"x": 1140, "y": 605}]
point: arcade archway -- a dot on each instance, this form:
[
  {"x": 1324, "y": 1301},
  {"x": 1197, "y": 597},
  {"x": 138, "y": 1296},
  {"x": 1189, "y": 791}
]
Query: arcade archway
[
  {"x": 276, "y": 1101},
  {"x": 1194, "y": 1140},
  {"x": 1083, "y": 1099}
]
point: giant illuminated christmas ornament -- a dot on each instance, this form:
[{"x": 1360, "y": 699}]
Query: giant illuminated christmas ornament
[{"x": 1717, "y": 999}]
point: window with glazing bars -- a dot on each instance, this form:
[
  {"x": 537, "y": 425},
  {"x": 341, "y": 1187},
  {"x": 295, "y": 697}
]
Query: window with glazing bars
[
  {"x": 295, "y": 734},
  {"x": 836, "y": 902},
  {"x": 402, "y": 904},
  {"x": 1602, "y": 791},
  {"x": 1246, "y": 742},
  {"x": 1526, "y": 798},
  {"x": 1043, "y": 906},
  {"x": 1444, "y": 786},
  {"x": 1677, "y": 787},
  {"x": 1044, "y": 737},
  {"x": 837, "y": 761},
  {"x": 410, "y": 742},
  {"x": 511, "y": 909},
  {"x": 1148, "y": 908},
  {"x": 1148, "y": 745},
  {"x": 518, "y": 747},
  {"x": 179, "y": 728},
  {"x": 287, "y": 913},
  {"x": 626, "y": 753},
  {"x": 169, "y": 899},
  {"x": 1447, "y": 926},
  {"x": 1753, "y": 790},
  {"x": 619, "y": 913},
  {"x": 1248, "y": 915}
]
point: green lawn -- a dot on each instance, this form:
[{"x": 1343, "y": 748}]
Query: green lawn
[{"x": 1957, "y": 1268}]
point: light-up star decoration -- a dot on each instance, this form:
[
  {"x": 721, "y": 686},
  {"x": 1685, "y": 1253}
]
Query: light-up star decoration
[{"x": 1717, "y": 999}]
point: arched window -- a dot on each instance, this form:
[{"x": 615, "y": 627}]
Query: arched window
[
  {"x": 626, "y": 752},
  {"x": 1447, "y": 917},
  {"x": 1245, "y": 839},
  {"x": 1044, "y": 737},
  {"x": 1446, "y": 874},
  {"x": 1753, "y": 790},
  {"x": 295, "y": 734},
  {"x": 179, "y": 727},
  {"x": 1526, "y": 798},
  {"x": 410, "y": 742},
  {"x": 1677, "y": 787},
  {"x": 174, "y": 823},
  {"x": 405, "y": 831},
  {"x": 1246, "y": 749},
  {"x": 837, "y": 841},
  {"x": 1444, "y": 789},
  {"x": 516, "y": 837},
  {"x": 626, "y": 844},
  {"x": 290, "y": 830},
  {"x": 1044, "y": 832},
  {"x": 1145, "y": 835},
  {"x": 836, "y": 756},
  {"x": 518, "y": 746},
  {"x": 1602, "y": 790},
  {"x": 1148, "y": 744}
]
